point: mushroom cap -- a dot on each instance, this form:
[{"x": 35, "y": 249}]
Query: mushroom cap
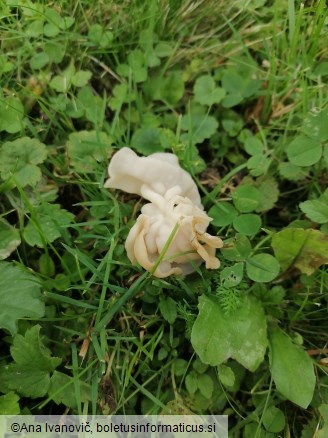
[
  {"x": 149, "y": 235},
  {"x": 156, "y": 173}
]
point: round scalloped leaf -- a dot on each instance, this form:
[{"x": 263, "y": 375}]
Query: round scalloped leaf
[
  {"x": 262, "y": 268},
  {"x": 86, "y": 148},
  {"x": 19, "y": 158},
  {"x": 206, "y": 92},
  {"x": 304, "y": 151},
  {"x": 9, "y": 239},
  {"x": 20, "y": 296}
]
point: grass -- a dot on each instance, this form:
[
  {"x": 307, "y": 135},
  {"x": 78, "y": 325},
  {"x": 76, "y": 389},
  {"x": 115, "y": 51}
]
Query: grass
[{"x": 86, "y": 79}]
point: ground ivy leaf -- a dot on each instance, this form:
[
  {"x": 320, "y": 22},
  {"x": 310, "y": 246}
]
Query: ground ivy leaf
[
  {"x": 50, "y": 221},
  {"x": 9, "y": 404},
  {"x": 19, "y": 296},
  {"x": 305, "y": 249},
  {"x": 291, "y": 369},
  {"x": 304, "y": 151},
  {"x": 86, "y": 148},
  {"x": 206, "y": 92},
  {"x": 242, "y": 335},
  {"x": 20, "y": 158},
  {"x": 9, "y": 239},
  {"x": 200, "y": 125},
  {"x": 30, "y": 374}
]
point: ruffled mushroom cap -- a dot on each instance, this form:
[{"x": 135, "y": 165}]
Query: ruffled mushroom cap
[
  {"x": 147, "y": 238},
  {"x": 145, "y": 176}
]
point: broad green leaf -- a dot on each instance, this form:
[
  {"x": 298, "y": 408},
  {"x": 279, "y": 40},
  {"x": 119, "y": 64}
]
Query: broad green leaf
[
  {"x": 232, "y": 275},
  {"x": 29, "y": 375},
  {"x": 241, "y": 335},
  {"x": 246, "y": 198},
  {"x": 9, "y": 404},
  {"x": 222, "y": 213},
  {"x": 11, "y": 115},
  {"x": 316, "y": 210},
  {"x": 19, "y": 296},
  {"x": 168, "y": 308},
  {"x": 172, "y": 88},
  {"x": 206, "y": 92},
  {"x": 20, "y": 158},
  {"x": 200, "y": 127},
  {"x": 273, "y": 419},
  {"x": 248, "y": 224},
  {"x": 262, "y": 268},
  {"x": 306, "y": 249},
  {"x": 87, "y": 148},
  {"x": 60, "y": 393},
  {"x": 237, "y": 249},
  {"x": 9, "y": 239},
  {"x": 291, "y": 369},
  {"x": 49, "y": 221},
  {"x": 304, "y": 151}
]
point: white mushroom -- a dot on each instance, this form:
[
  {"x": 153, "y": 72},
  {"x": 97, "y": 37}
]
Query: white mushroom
[
  {"x": 153, "y": 228},
  {"x": 156, "y": 173},
  {"x": 174, "y": 200}
]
